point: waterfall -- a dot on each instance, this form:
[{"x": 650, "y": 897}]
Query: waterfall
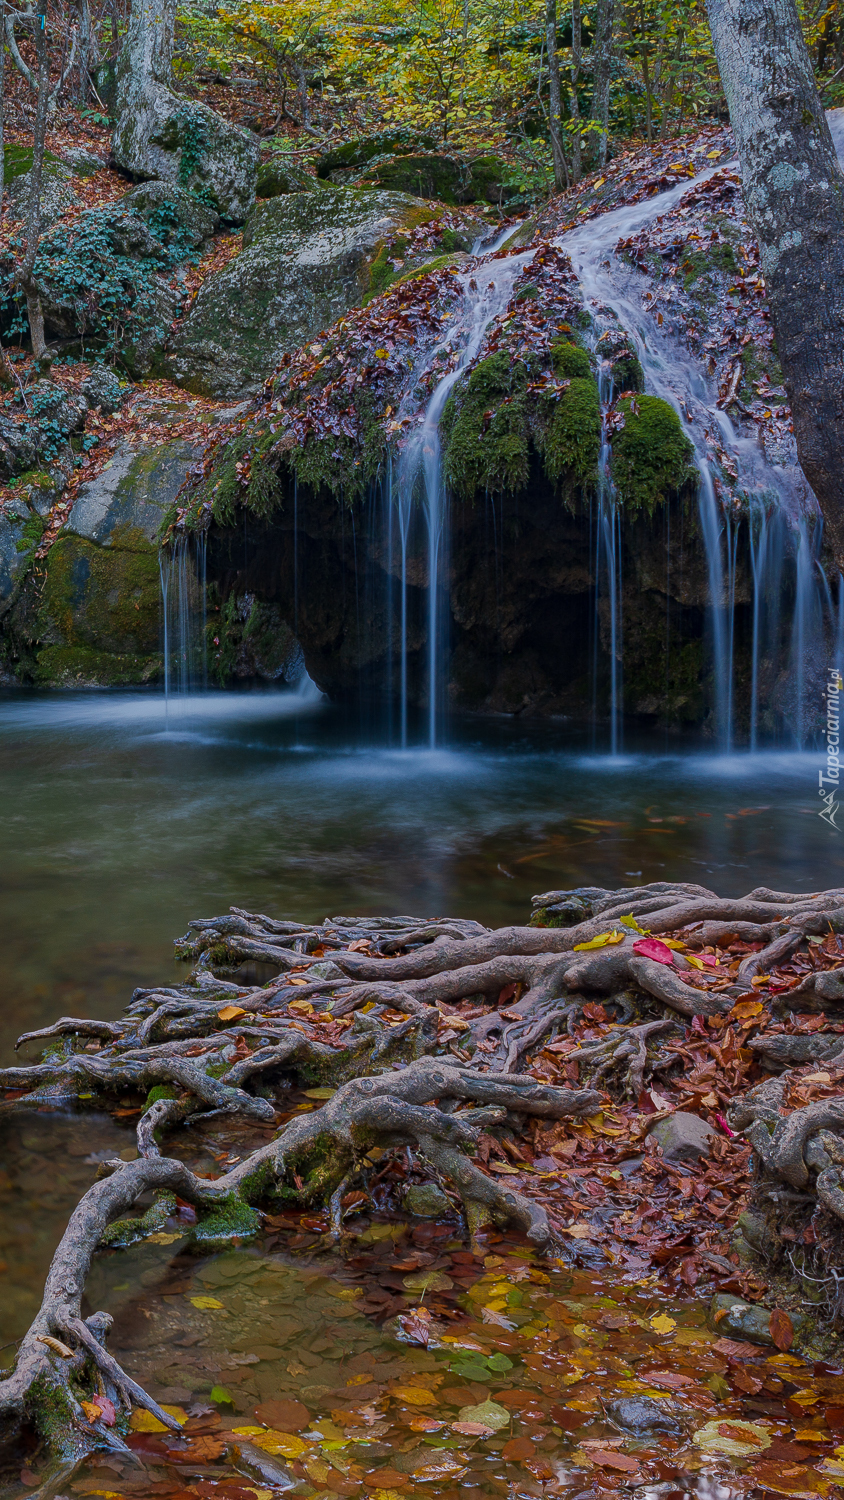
[
  {"x": 788, "y": 536},
  {"x": 419, "y": 486},
  {"x": 183, "y": 572}
]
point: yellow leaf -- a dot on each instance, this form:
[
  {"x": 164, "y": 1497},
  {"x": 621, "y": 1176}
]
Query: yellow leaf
[
  {"x": 283, "y": 1444},
  {"x": 759, "y": 979},
  {"x": 249, "y": 1431},
  {"x": 92, "y": 1412},
  {"x": 144, "y": 1421},
  {"x": 163, "y": 1238},
  {"x": 631, "y": 920},
  {"x": 710, "y": 154},
  {"x": 231, "y": 1012},
  {"x": 692, "y": 958},
  {"x": 601, "y": 941},
  {"x": 744, "y": 1009},
  {"x": 382, "y": 354},
  {"x": 736, "y": 1441},
  {"x": 297, "y": 979},
  {"x": 319, "y": 1093},
  {"x": 415, "y": 1395},
  {"x": 206, "y": 1304},
  {"x": 661, "y": 1323}
]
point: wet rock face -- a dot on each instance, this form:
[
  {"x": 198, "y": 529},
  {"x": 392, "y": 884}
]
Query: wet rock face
[
  {"x": 305, "y": 262},
  {"x": 96, "y": 618},
  {"x": 731, "y": 1318},
  {"x": 640, "y": 1415}
]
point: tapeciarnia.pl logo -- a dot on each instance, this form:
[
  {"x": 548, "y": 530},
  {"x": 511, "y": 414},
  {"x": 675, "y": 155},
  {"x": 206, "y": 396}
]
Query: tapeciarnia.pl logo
[{"x": 830, "y": 777}]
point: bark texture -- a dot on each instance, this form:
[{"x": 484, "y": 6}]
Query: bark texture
[{"x": 794, "y": 191}]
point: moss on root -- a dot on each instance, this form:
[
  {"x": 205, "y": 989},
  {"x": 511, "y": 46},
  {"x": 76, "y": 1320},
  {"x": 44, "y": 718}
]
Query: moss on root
[
  {"x": 651, "y": 455},
  {"x": 231, "y": 1219}
]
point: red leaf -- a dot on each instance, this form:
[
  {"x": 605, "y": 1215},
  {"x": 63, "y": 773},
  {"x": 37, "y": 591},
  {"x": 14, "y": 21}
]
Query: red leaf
[
  {"x": 107, "y": 1411},
  {"x": 653, "y": 948},
  {"x": 782, "y": 1329}
]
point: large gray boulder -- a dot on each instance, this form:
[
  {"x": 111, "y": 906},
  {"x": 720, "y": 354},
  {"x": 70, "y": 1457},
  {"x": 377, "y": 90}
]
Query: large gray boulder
[
  {"x": 131, "y": 494},
  {"x": 306, "y": 260},
  {"x": 182, "y": 141}
]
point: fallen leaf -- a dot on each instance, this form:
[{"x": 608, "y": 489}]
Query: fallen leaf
[
  {"x": 487, "y": 1413},
  {"x": 415, "y": 1395},
  {"x": 601, "y": 941},
  {"x": 782, "y": 1329},
  {"x": 661, "y": 1323},
  {"x": 472, "y": 1429},
  {"x": 518, "y": 1448},
  {"x": 610, "y": 1460},
  {"x": 735, "y": 1439},
  {"x": 428, "y": 1281},
  {"x": 283, "y": 1413},
  {"x": 205, "y": 1304},
  {"x": 319, "y": 1093},
  {"x": 281, "y": 1444},
  {"x": 144, "y": 1421},
  {"x": 231, "y": 1012},
  {"x": 653, "y": 948}
]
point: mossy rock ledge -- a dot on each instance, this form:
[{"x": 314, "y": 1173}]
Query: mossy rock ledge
[{"x": 93, "y": 619}]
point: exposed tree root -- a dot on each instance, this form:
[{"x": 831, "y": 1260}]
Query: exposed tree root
[{"x": 423, "y": 1028}]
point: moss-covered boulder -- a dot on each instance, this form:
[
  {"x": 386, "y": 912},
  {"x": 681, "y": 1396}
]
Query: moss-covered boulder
[
  {"x": 426, "y": 174},
  {"x": 157, "y": 134},
  {"x": 279, "y": 175},
  {"x": 99, "y": 610},
  {"x": 352, "y": 156},
  {"x": 177, "y": 218},
  {"x": 651, "y": 455},
  {"x": 305, "y": 262}
]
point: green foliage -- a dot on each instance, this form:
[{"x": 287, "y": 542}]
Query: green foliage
[
  {"x": 109, "y": 294},
  {"x": 242, "y": 476},
  {"x": 651, "y": 455},
  {"x": 31, "y": 534}
]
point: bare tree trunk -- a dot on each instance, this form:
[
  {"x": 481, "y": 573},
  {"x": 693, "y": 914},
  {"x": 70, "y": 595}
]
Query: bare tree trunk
[
  {"x": 26, "y": 277},
  {"x": 6, "y": 374},
  {"x": 148, "y": 49},
  {"x": 576, "y": 55},
  {"x": 84, "y": 51},
  {"x": 602, "y": 55},
  {"x": 794, "y": 190},
  {"x": 561, "y": 172}
]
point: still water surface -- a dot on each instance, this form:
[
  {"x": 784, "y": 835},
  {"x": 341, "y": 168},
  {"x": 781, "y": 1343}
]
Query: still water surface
[{"x": 119, "y": 826}]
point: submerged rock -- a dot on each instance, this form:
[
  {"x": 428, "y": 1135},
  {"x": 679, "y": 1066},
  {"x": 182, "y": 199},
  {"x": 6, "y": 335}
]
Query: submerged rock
[
  {"x": 305, "y": 262},
  {"x": 730, "y": 1317},
  {"x": 640, "y": 1414},
  {"x": 426, "y": 1200}
]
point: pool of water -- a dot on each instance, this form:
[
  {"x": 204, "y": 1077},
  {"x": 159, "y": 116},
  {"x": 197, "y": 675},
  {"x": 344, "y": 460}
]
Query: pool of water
[{"x": 119, "y": 824}]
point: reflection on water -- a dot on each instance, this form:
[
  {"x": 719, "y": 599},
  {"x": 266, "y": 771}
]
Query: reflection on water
[{"x": 117, "y": 829}]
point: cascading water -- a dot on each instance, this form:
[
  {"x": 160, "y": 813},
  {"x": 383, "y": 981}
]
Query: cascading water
[
  {"x": 183, "y": 592},
  {"x": 784, "y": 520},
  {"x": 486, "y": 288}
]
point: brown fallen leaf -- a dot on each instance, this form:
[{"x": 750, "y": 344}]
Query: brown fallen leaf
[
  {"x": 609, "y": 1460},
  {"x": 518, "y": 1449},
  {"x": 782, "y": 1329}
]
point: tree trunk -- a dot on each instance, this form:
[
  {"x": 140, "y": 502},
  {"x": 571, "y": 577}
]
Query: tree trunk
[
  {"x": 576, "y": 54},
  {"x": 561, "y": 174},
  {"x": 794, "y": 190},
  {"x": 33, "y": 214},
  {"x": 6, "y": 374},
  {"x": 148, "y": 49},
  {"x": 602, "y": 54}
]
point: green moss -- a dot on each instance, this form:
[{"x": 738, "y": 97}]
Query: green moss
[
  {"x": 231, "y": 1219},
  {"x": 56, "y": 1417},
  {"x": 716, "y": 258},
  {"x": 241, "y": 476},
  {"x": 542, "y": 918},
  {"x": 485, "y": 425},
  {"x": 570, "y": 361},
  {"x": 126, "y": 1232},
  {"x": 78, "y": 666},
  {"x": 160, "y": 1091},
  {"x": 103, "y": 599},
  {"x": 572, "y": 443},
  {"x": 17, "y": 161},
  {"x": 651, "y": 456}
]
